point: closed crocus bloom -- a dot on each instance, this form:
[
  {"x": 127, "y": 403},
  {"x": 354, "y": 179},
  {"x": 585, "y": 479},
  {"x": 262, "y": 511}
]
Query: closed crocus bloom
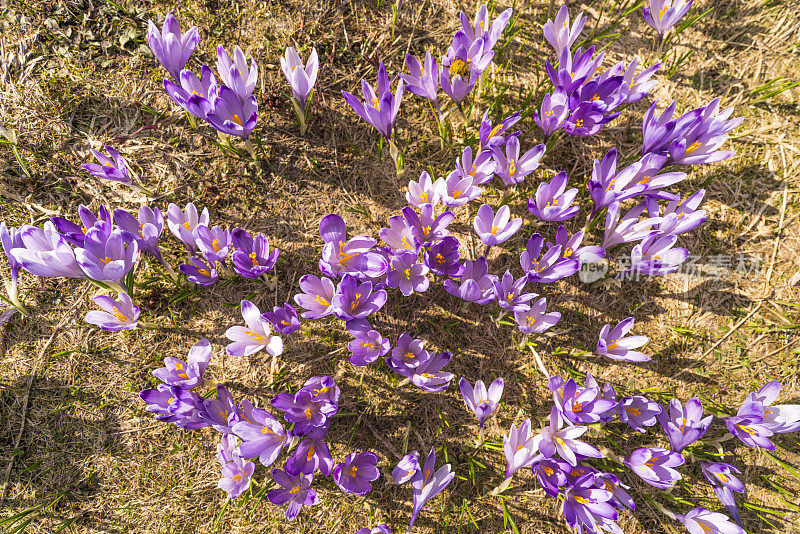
[
  {"x": 553, "y": 113},
  {"x": 256, "y": 336},
  {"x": 639, "y": 412},
  {"x": 535, "y": 320},
  {"x": 654, "y": 256},
  {"x": 183, "y": 223},
  {"x": 512, "y": 167},
  {"x": 283, "y": 319},
  {"x": 427, "y": 484},
  {"x": 195, "y": 95},
  {"x": 379, "y": 108},
  {"x": 356, "y": 472},
  {"x": 552, "y": 201},
  {"x": 171, "y": 48},
  {"x": 252, "y": 257},
  {"x": 614, "y": 345},
  {"x": 457, "y": 191},
  {"x": 702, "y": 521},
  {"x": 295, "y": 489},
  {"x": 424, "y": 79},
  {"x": 627, "y": 228},
  {"x": 481, "y": 401},
  {"x": 232, "y": 116},
  {"x": 495, "y": 228},
  {"x": 636, "y": 87},
  {"x": 494, "y": 135},
  {"x": 550, "y": 267},
  {"x": 186, "y": 374},
  {"x": 367, "y": 347},
  {"x": 45, "y": 252},
  {"x": 481, "y": 169},
  {"x": 519, "y": 447},
  {"x": 655, "y": 466},
  {"x": 476, "y": 284},
  {"x": 120, "y": 314},
  {"x": 301, "y": 77},
  {"x": 424, "y": 191},
  {"x": 481, "y": 27},
  {"x": 406, "y": 468},
  {"x": 662, "y": 15},
  {"x": 442, "y": 258},
  {"x": 356, "y": 301},
  {"x": 109, "y": 168},
  {"x": 722, "y": 478},
  {"x": 684, "y": 425},
  {"x": 316, "y": 297},
  {"x": 105, "y": 258},
  {"x": 559, "y": 33},
  {"x": 235, "y": 74},
  {"x": 262, "y": 436},
  {"x": 509, "y": 293}
]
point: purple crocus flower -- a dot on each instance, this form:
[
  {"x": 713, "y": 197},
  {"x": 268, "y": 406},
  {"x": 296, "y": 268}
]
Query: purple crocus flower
[
  {"x": 701, "y": 521},
  {"x": 457, "y": 191},
  {"x": 611, "y": 483},
  {"x": 256, "y": 336},
  {"x": 512, "y": 167},
  {"x": 509, "y": 293},
  {"x": 557, "y": 439},
  {"x": 323, "y": 388},
  {"x": 186, "y": 374},
  {"x": 684, "y": 425},
  {"x": 607, "y": 185},
  {"x": 481, "y": 27},
  {"x": 252, "y": 256},
  {"x": 283, "y": 319},
  {"x": 781, "y": 418},
  {"x": 442, "y": 258},
  {"x": 571, "y": 247},
  {"x": 667, "y": 13},
  {"x": 195, "y": 95},
  {"x": 654, "y": 256},
  {"x": 356, "y": 472},
  {"x": 551, "y": 267},
  {"x": 552, "y": 202},
  {"x": 551, "y": 474},
  {"x": 408, "y": 354},
  {"x": 232, "y": 116},
  {"x": 424, "y": 191},
  {"x": 424, "y": 79},
  {"x": 480, "y": 400},
  {"x": 105, "y": 257},
  {"x": 183, "y": 223},
  {"x": 697, "y": 142},
  {"x": 221, "y": 413},
  {"x": 520, "y": 447},
  {"x": 356, "y": 301},
  {"x": 614, "y": 345},
  {"x": 367, "y": 347},
  {"x": 636, "y": 87},
  {"x": 295, "y": 489},
  {"x": 236, "y": 476},
  {"x": 407, "y": 274},
  {"x": 380, "y": 529},
  {"x": 312, "y": 454},
  {"x": 399, "y": 235},
  {"x": 109, "y": 168},
  {"x": 462, "y": 67},
  {"x": 748, "y": 425},
  {"x": 494, "y": 135},
  {"x": 574, "y": 70},
  {"x": 235, "y": 74},
  {"x": 305, "y": 409},
  {"x": 655, "y": 466},
  {"x": 145, "y": 229},
  {"x": 74, "y": 233},
  {"x": 354, "y": 256},
  {"x": 406, "y": 468},
  {"x": 301, "y": 77},
  {"x": 425, "y": 226},
  {"x": 44, "y": 252},
  {"x": 481, "y": 169},
  {"x": 627, "y": 228},
  {"x": 427, "y": 484},
  {"x": 639, "y": 412},
  {"x": 172, "y": 404},
  {"x": 588, "y": 507},
  {"x": 380, "y": 109},
  {"x": 121, "y": 314},
  {"x": 586, "y": 119},
  {"x": 428, "y": 376},
  {"x": 199, "y": 271},
  {"x": 580, "y": 404},
  {"x": 316, "y": 297},
  {"x": 262, "y": 437},
  {"x": 476, "y": 284},
  {"x": 724, "y": 482},
  {"x": 559, "y": 33},
  {"x": 678, "y": 217},
  {"x": 554, "y": 111},
  {"x": 213, "y": 243},
  {"x": 171, "y": 48},
  {"x": 495, "y": 228},
  {"x": 535, "y": 320}
]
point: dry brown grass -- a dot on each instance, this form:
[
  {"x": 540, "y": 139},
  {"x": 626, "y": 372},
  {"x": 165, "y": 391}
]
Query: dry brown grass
[{"x": 85, "y": 432}]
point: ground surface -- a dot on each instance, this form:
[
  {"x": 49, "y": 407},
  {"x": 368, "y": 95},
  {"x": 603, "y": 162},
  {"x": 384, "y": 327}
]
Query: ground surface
[{"x": 76, "y": 75}]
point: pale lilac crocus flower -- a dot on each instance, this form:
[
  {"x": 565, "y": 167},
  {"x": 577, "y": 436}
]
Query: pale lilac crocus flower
[
  {"x": 379, "y": 108},
  {"x": 512, "y": 167},
  {"x": 316, "y": 297},
  {"x": 627, "y": 228},
  {"x": 520, "y": 448},
  {"x": 684, "y": 425},
  {"x": 235, "y": 74},
  {"x": 557, "y": 439},
  {"x": 553, "y": 202},
  {"x": 701, "y": 521},
  {"x": 186, "y": 374},
  {"x": 45, "y": 252},
  {"x": 301, "y": 77},
  {"x": 655, "y": 466},
  {"x": 110, "y": 168},
  {"x": 554, "y": 111},
  {"x": 427, "y": 483},
  {"x": 495, "y": 228},
  {"x": 120, "y": 314},
  {"x": 654, "y": 256},
  {"x": 613, "y": 343},
  {"x": 406, "y": 468},
  {"x": 171, "y": 48},
  {"x": 481, "y": 169},
  {"x": 183, "y": 223},
  {"x": 105, "y": 258},
  {"x": 559, "y": 33},
  {"x": 424, "y": 79},
  {"x": 457, "y": 191},
  {"x": 423, "y": 191},
  {"x": 256, "y": 336},
  {"x": 481, "y": 401},
  {"x": 662, "y": 15},
  {"x": 551, "y": 267},
  {"x": 535, "y": 320}
]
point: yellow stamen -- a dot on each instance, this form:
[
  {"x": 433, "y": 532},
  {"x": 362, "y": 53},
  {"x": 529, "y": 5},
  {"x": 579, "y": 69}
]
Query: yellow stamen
[
  {"x": 644, "y": 181},
  {"x": 204, "y": 272},
  {"x": 121, "y": 317},
  {"x": 474, "y": 170},
  {"x": 408, "y": 355},
  {"x": 407, "y": 272},
  {"x": 310, "y": 453},
  {"x": 266, "y": 430},
  {"x": 494, "y": 230},
  {"x": 547, "y": 471},
  {"x": 495, "y": 130},
  {"x": 423, "y": 197},
  {"x": 581, "y": 500},
  {"x": 237, "y": 477},
  {"x": 578, "y": 123},
  {"x": 456, "y": 193},
  {"x": 353, "y": 471},
  {"x": 319, "y": 299},
  {"x": 633, "y": 411},
  {"x": 235, "y": 118},
  {"x": 294, "y": 489},
  {"x": 375, "y": 103},
  {"x": 459, "y": 67},
  {"x": 694, "y": 146},
  {"x": 439, "y": 258},
  {"x": 215, "y": 245},
  {"x": 105, "y": 260},
  {"x": 512, "y": 167},
  {"x": 612, "y": 346},
  {"x": 255, "y": 336}
]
